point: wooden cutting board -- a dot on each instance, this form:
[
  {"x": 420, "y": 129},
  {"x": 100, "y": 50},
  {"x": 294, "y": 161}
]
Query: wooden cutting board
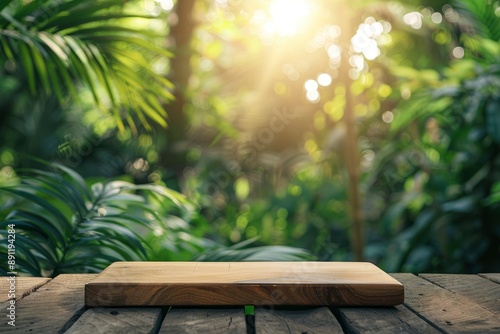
[{"x": 243, "y": 283}]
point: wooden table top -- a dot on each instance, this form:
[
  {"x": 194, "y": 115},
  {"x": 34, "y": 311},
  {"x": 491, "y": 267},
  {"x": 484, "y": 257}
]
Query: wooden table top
[
  {"x": 434, "y": 303},
  {"x": 243, "y": 283}
]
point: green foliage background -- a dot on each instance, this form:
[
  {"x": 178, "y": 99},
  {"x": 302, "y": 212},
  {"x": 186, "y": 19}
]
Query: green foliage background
[{"x": 88, "y": 88}]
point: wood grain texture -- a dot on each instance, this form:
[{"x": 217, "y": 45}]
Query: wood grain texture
[
  {"x": 204, "y": 321},
  {"x": 51, "y": 308},
  {"x": 318, "y": 320},
  {"x": 475, "y": 288},
  {"x": 243, "y": 283},
  {"x": 398, "y": 319},
  {"x": 448, "y": 311},
  {"x": 23, "y": 286},
  {"x": 492, "y": 277},
  {"x": 118, "y": 320}
]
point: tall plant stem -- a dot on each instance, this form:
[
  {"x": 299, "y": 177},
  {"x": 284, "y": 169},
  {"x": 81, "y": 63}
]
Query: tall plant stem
[
  {"x": 351, "y": 142},
  {"x": 181, "y": 34}
]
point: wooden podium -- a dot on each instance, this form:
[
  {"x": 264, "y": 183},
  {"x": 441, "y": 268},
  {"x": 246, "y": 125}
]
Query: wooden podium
[{"x": 243, "y": 283}]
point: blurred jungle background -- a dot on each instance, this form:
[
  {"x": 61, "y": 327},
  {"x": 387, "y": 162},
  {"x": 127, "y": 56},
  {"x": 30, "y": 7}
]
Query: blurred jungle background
[{"x": 231, "y": 130}]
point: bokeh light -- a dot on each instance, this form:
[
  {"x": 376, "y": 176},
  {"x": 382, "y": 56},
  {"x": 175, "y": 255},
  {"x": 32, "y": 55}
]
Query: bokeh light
[
  {"x": 311, "y": 85},
  {"x": 313, "y": 96},
  {"x": 458, "y": 52},
  {"x": 388, "y": 117},
  {"x": 288, "y": 15},
  {"x": 365, "y": 40},
  {"x": 334, "y": 51},
  {"x": 450, "y": 14},
  {"x": 437, "y": 18},
  {"x": 166, "y": 4},
  {"x": 324, "y": 79},
  {"x": 413, "y": 19}
]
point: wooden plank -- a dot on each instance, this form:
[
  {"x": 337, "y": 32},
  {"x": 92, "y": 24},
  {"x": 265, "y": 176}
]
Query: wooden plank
[
  {"x": 492, "y": 277},
  {"x": 319, "y": 320},
  {"x": 448, "y": 311},
  {"x": 477, "y": 289},
  {"x": 23, "y": 286},
  {"x": 118, "y": 320},
  {"x": 398, "y": 319},
  {"x": 243, "y": 283},
  {"x": 53, "y": 307},
  {"x": 209, "y": 321}
]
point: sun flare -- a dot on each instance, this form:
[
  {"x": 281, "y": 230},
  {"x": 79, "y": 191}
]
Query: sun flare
[{"x": 287, "y": 16}]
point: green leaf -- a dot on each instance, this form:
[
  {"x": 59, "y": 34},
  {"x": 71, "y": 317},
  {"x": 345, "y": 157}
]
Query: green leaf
[
  {"x": 67, "y": 11},
  {"x": 23, "y": 252},
  {"x": 264, "y": 253},
  {"x": 412, "y": 237},
  {"x": 90, "y": 33},
  {"x": 28, "y": 8},
  {"x": 132, "y": 40},
  {"x": 80, "y": 62},
  {"x": 28, "y": 67},
  {"x": 419, "y": 108},
  {"x": 75, "y": 25},
  {"x": 44, "y": 224},
  {"x": 55, "y": 83},
  {"x": 36, "y": 250},
  {"x": 41, "y": 68},
  {"x": 461, "y": 205},
  {"x": 103, "y": 72},
  {"x": 41, "y": 202},
  {"x": 6, "y": 49},
  {"x": 65, "y": 74},
  {"x": 77, "y": 178},
  {"x": 64, "y": 193},
  {"x": 5, "y": 3},
  {"x": 127, "y": 237}
]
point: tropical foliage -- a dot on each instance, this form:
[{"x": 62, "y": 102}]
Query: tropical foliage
[
  {"x": 443, "y": 179},
  {"x": 64, "y": 225},
  {"x": 53, "y": 47},
  {"x": 261, "y": 149}
]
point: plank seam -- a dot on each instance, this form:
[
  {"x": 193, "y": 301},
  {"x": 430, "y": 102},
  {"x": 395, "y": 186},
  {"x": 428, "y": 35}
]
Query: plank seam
[
  {"x": 437, "y": 284},
  {"x": 34, "y": 289},
  {"x": 250, "y": 324},
  {"x": 340, "y": 319},
  {"x": 157, "y": 327},
  {"x": 487, "y": 278},
  {"x": 78, "y": 313},
  {"x": 456, "y": 293},
  {"x": 424, "y": 318},
  {"x": 421, "y": 316}
]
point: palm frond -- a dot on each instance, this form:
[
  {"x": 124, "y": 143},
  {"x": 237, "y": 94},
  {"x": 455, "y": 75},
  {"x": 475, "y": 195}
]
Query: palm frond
[
  {"x": 64, "y": 225},
  {"x": 58, "y": 45},
  {"x": 482, "y": 17},
  {"x": 241, "y": 252}
]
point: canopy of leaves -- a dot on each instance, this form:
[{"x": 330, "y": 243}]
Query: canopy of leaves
[{"x": 54, "y": 46}]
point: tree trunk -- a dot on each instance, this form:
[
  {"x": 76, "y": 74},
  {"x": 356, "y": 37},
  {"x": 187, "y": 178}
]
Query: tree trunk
[
  {"x": 351, "y": 142},
  {"x": 172, "y": 155},
  {"x": 181, "y": 34}
]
